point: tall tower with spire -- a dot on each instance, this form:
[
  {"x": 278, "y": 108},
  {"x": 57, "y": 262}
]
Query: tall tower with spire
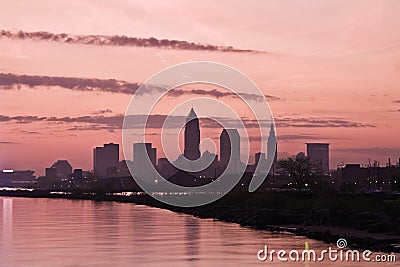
[
  {"x": 272, "y": 144},
  {"x": 192, "y": 136}
]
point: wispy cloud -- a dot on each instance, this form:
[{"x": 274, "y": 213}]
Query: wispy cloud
[
  {"x": 156, "y": 121},
  {"x": 371, "y": 151},
  {"x": 320, "y": 122},
  {"x": 302, "y": 137},
  {"x": 7, "y": 143},
  {"x": 9, "y": 81},
  {"x": 219, "y": 94},
  {"x": 103, "y": 111},
  {"x": 118, "y": 40}
]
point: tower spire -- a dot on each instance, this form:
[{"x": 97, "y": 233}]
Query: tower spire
[
  {"x": 272, "y": 144},
  {"x": 192, "y": 114}
]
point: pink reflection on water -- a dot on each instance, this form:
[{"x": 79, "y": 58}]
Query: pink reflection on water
[{"x": 7, "y": 215}]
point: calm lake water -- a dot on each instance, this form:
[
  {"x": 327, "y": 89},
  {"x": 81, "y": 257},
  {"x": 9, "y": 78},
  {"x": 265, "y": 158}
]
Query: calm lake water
[{"x": 57, "y": 232}]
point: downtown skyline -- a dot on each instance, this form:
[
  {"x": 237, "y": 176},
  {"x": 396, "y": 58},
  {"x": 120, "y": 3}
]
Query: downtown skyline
[{"x": 330, "y": 74}]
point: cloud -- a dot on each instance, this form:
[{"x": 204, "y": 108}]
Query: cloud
[
  {"x": 311, "y": 122},
  {"x": 21, "y": 119},
  {"x": 396, "y": 101},
  {"x": 101, "y": 122},
  {"x": 104, "y": 111},
  {"x": 320, "y": 122},
  {"x": 7, "y": 143},
  {"x": 273, "y": 98},
  {"x": 10, "y": 81},
  {"x": 219, "y": 94},
  {"x": 118, "y": 40},
  {"x": 302, "y": 137},
  {"x": 28, "y": 132},
  {"x": 370, "y": 151},
  {"x": 156, "y": 121}
]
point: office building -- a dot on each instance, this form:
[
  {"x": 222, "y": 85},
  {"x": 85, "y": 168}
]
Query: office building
[
  {"x": 229, "y": 144},
  {"x": 105, "y": 160},
  {"x": 13, "y": 178},
  {"x": 272, "y": 145},
  {"x": 319, "y": 154},
  {"x": 61, "y": 169},
  {"x": 192, "y": 137},
  {"x": 144, "y": 159}
]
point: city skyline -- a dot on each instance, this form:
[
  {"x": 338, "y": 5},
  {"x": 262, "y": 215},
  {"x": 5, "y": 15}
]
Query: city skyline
[
  {"x": 335, "y": 81},
  {"x": 117, "y": 155},
  {"x": 110, "y": 152},
  {"x": 230, "y": 132},
  {"x": 106, "y": 161}
]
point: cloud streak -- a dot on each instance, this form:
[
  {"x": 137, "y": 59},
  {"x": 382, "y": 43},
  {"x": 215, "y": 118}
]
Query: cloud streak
[
  {"x": 156, "y": 121},
  {"x": 10, "y": 81},
  {"x": 316, "y": 122},
  {"x": 118, "y": 40},
  {"x": 220, "y": 94},
  {"x": 370, "y": 151},
  {"x": 7, "y": 143},
  {"x": 301, "y": 137}
]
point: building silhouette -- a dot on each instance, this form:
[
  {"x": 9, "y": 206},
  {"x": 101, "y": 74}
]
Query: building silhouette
[
  {"x": 144, "y": 159},
  {"x": 229, "y": 145},
  {"x": 192, "y": 136},
  {"x": 61, "y": 169},
  {"x": 368, "y": 177},
  {"x": 13, "y": 178},
  {"x": 51, "y": 173},
  {"x": 272, "y": 145},
  {"x": 211, "y": 170},
  {"x": 77, "y": 174},
  {"x": 166, "y": 168},
  {"x": 105, "y": 160},
  {"x": 123, "y": 168},
  {"x": 142, "y": 151},
  {"x": 319, "y": 154},
  {"x": 260, "y": 162}
]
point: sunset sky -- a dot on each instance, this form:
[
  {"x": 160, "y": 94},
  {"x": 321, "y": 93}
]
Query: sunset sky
[{"x": 330, "y": 71}]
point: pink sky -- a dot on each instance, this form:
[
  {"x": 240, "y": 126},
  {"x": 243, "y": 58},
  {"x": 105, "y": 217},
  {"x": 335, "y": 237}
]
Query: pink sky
[{"x": 326, "y": 61}]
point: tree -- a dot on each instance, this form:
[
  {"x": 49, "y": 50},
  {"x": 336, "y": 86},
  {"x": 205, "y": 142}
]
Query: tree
[{"x": 300, "y": 169}]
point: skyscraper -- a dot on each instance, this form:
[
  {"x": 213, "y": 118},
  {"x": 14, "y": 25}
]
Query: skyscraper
[
  {"x": 319, "y": 154},
  {"x": 144, "y": 159},
  {"x": 105, "y": 160},
  {"x": 143, "y": 150},
  {"x": 62, "y": 168},
  {"x": 261, "y": 162},
  {"x": 272, "y": 149},
  {"x": 229, "y": 144},
  {"x": 192, "y": 136}
]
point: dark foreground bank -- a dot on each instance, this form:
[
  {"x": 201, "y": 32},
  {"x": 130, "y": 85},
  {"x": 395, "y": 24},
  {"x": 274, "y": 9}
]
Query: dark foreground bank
[{"x": 366, "y": 222}]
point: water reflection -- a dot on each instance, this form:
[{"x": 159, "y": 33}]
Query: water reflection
[
  {"x": 192, "y": 237},
  {"x": 56, "y": 232},
  {"x": 7, "y": 207}
]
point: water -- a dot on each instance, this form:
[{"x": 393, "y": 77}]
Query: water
[{"x": 58, "y": 232}]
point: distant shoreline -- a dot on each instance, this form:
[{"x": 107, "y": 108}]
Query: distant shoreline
[{"x": 249, "y": 217}]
